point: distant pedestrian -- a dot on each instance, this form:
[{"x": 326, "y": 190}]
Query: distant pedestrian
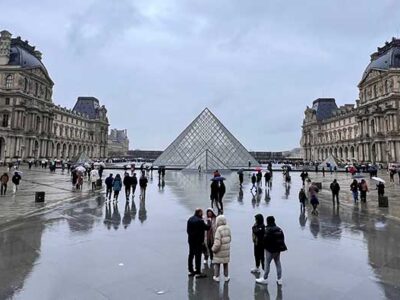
[
  {"x": 259, "y": 179},
  {"x": 4, "y": 181},
  {"x": 253, "y": 182},
  {"x": 304, "y": 176},
  {"x": 267, "y": 177},
  {"x": 16, "y": 180},
  {"x": 143, "y": 185},
  {"x": 314, "y": 198},
  {"x": 134, "y": 183},
  {"x": 274, "y": 244},
  {"x": 30, "y": 164},
  {"x": 94, "y": 176},
  {"x": 391, "y": 174},
  {"x": 381, "y": 189},
  {"x": 335, "y": 188},
  {"x": 354, "y": 190},
  {"x": 258, "y": 231},
  {"x": 127, "y": 184},
  {"x": 209, "y": 235},
  {"x": 117, "y": 186},
  {"x": 323, "y": 172},
  {"x": 195, "y": 229},
  {"x": 302, "y": 199},
  {"x": 101, "y": 169},
  {"x": 221, "y": 248},
  {"x": 221, "y": 193},
  {"x": 363, "y": 190},
  {"x": 241, "y": 179},
  {"x": 109, "y": 184}
]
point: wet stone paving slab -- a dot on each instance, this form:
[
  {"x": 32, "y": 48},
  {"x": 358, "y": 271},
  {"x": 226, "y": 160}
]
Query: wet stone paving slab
[{"x": 80, "y": 246}]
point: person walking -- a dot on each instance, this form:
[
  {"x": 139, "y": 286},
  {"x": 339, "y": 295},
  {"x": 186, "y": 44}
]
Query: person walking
[
  {"x": 214, "y": 193},
  {"x": 258, "y": 231},
  {"x": 253, "y": 182},
  {"x": 240, "y": 173},
  {"x": 303, "y": 176},
  {"x": 267, "y": 177},
  {"x": 381, "y": 189},
  {"x": 221, "y": 248},
  {"x": 391, "y": 174},
  {"x": 259, "y": 179},
  {"x": 313, "y": 190},
  {"x": 323, "y": 172},
  {"x": 117, "y": 186},
  {"x": 363, "y": 190},
  {"x": 195, "y": 229},
  {"x": 335, "y": 188},
  {"x": 143, "y": 185},
  {"x": 94, "y": 176},
  {"x": 302, "y": 199},
  {"x": 134, "y": 183},
  {"x": 109, "y": 184},
  {"x": 209, "y": 235},
  {"x": 101, "y": 169},
  {"x": 16, "y": 180},
  {"x": 221, "y": 193},
  {"x": 354, "y": 190},
  {"x": 127, "y": 184},
  {"x": 4, "y": 181},
  {"x": 274, "y": 244}
]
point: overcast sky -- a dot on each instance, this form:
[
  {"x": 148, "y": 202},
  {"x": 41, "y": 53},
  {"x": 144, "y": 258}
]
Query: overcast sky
[{"x": 157, "y": 64}]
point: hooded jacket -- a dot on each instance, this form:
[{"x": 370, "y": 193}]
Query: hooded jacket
[
  {"x": 274, "y": 239},
  {"x": 117, "y": 184},
  {"x": 195, "y": 229},
  {"x": 209, "y": 237},
  {"x": 222, "y": 241},
  {"x": 258, "y": 231}
]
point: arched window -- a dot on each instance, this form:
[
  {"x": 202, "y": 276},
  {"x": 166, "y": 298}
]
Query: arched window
[
  {"x": 9, "y": 81},
  {"x": 26, "y": 85}
]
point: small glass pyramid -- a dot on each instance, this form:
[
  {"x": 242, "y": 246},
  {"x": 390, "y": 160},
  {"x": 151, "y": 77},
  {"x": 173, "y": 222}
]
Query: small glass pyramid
[{"x": 208, "y": 144}]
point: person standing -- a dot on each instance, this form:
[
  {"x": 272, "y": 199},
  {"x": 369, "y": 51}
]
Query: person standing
[
  {"x": 16, "y": 180},
  {"x": 209, "y": 235},
  {"x": 221, "y": 193},
  {"x": 94, "y": 176},
  {"x": 127, "y": 184},
  {"x": 274, "y": 244},
  {"x": 134, "y": 183},
  {"x": 302, "y": 199},
  {"x": 117, "y": 186},
  {"x": 4, "y": 181},
  {"x": 335, "y": 188},
  {"x": 267, "y": 177},
  {"x": 381, "y": 189},
  {"x": 109, "y": 184},
  {"x": 363, "y": 190},
  {"x": 258, "y": 231},
  {"x": 195, "y": 229},
  {"x": 143, "y": 185},
  {"x": 253, "y": 182},
  {"x": 354, "y": 190},
  {"x": 221, "y": 248}
]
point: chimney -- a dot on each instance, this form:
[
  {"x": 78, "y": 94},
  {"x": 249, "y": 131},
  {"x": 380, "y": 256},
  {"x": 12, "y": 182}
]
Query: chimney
[{"x": 5, "y": 45}]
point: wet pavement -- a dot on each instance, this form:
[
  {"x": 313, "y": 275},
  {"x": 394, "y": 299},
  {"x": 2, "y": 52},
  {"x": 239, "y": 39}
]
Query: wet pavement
[{"x": 80, "y": 247}]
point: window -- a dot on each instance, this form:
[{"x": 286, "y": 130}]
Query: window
[
  {"x": 7, "y": 101},
  {"x": 9, "y": 81},
  {"x": 36, "y": 89},
  {"x": 5, "y": 120},
  {"x": 26, "y": 85},
  {"x": 37, "y": 123}
]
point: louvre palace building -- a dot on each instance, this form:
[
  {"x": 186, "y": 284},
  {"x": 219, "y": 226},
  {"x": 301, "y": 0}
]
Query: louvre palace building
[
  {"x": 367, "y": 131},
  {"x": 31, "y": 125}
]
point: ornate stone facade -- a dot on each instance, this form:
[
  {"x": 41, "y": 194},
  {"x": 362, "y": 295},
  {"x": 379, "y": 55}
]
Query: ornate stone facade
[
  {"x": 31, "y": 125},
  {"x": 118, "y": 142},
  {"x": 368, "y": 131}
]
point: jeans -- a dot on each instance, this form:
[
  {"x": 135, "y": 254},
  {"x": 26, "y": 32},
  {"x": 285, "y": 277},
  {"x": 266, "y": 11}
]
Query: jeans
[
  {"x": 355, "y": 196},
  {"x": 194, "y": 252},
  {"x": 335, "y": 195},
  {"x": 259, "y": 256},
  {"x": 127, "y": 191},
  {"x": 108, "y": 192},
  {"x": 3, "y": 188},
  {"x": 217, "y": 270},
  {"x": 276, "y": 257},
  {"x": 363, "y": 196}
]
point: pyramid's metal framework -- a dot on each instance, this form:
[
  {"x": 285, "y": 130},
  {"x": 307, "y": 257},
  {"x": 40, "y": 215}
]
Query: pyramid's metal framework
[{"x": 208, "y": 144}]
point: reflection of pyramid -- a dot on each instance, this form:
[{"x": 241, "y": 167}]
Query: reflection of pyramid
[{"x": 208, "y": 144}]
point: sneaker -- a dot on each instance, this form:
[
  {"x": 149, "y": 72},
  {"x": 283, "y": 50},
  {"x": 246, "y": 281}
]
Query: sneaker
[
  {"x": 279, "y": 281},
  {"x": 215, "y": 278},
  {"x": 201, "y": 275},
  {"x": 262, "y": 281},
  {"x": 255, "y": 270},
  {"x": 227, "y": 279},
  {"x": 205, "y": 261}
]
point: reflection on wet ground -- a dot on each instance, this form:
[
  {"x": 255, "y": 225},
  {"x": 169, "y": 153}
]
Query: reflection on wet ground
[{"x": 97, "y": 249}]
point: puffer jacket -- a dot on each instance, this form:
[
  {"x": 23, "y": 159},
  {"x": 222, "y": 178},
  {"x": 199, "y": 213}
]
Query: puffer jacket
[{"x": 222, "y": 241}]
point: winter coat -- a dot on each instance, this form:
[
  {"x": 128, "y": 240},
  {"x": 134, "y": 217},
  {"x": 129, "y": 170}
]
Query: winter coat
[
  {"x": 133, "y": 180},
  {"x": 214, "y": 190},
  {"x": 16, "y": 179},
  {"x": 302, "y": 196},
  {"x": 258, "y": 231},
  {"x": 274, "y": 239},
  {"x": 109, "y": 181},
  {"x": 4, "y": 179},
  {"x": 354, "y": 187},
  {"x": 94, "y": 175},
  {"x": 209, "y": 236},
  {"x": 143, "y": 182},
  {"x": 221, "y": 191},
  {"x": 117, "y": 185},
  {"x": 195, "y": 229},
  {"x": 127, "y": 181},
  {"x": 222, "y": 242},
  {"x": 335, "y": 188},
  {"x": 253, "y": 179}
]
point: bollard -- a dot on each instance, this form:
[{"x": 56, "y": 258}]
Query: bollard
[{"x": 39, "y": 196}]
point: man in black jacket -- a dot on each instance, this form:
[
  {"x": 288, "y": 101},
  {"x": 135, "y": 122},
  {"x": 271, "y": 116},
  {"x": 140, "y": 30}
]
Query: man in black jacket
[
  {"x": 335, "y": 188},
  {"x": 109, "y": 183},
  {"x": 274, "y": 244},
  {"x": 196, "y": 228}
]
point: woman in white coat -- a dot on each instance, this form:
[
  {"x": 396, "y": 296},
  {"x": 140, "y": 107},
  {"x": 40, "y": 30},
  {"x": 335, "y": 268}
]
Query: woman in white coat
[{"x": 221, "y": 247}]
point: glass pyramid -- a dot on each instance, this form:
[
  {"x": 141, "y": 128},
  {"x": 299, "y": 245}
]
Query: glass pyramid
[{"x": 208, "y": 144}]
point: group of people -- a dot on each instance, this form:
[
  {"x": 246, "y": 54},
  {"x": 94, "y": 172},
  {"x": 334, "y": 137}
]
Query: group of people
[
  {"x": 218, "y": 190},
  {"x": 212, "y": 237},
  {"x": 16, "y": 179},
  {"x": 114, "y": 185}
]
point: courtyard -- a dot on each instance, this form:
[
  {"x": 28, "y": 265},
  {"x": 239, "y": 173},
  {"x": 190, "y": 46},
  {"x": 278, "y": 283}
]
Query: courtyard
[{"x": 78, "y": 246}]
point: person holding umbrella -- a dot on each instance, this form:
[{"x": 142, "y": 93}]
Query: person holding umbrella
[{"x": 381, "y": 189}]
